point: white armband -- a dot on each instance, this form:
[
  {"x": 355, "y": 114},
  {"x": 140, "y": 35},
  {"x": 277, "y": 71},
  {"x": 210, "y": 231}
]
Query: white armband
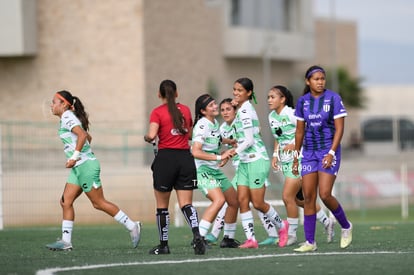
[
  {"x": 218, "y": 157},
  {"x": 331, "y": 152}
]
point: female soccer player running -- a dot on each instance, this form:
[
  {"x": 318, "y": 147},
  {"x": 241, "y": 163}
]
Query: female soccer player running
[
  {"x": 254, "y": 166},
  {"x": 320, "y": 117},
  {"x": 85, "y": 170}
]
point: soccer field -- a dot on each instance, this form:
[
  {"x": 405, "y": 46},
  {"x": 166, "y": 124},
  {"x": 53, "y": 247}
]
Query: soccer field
[{"x": 381, "y": 245}]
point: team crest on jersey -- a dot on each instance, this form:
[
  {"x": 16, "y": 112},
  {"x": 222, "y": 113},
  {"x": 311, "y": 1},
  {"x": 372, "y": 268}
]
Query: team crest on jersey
[{"x": 326, "y": 107}]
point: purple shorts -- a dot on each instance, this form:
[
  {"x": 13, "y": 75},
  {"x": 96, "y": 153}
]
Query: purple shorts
[{"x": 312, "y": 162}]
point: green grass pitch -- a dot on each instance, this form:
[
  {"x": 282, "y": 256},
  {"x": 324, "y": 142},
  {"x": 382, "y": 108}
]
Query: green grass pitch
[{"x": 383, "y": 244}]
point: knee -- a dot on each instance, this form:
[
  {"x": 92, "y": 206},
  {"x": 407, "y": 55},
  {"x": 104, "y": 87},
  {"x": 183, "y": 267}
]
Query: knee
[
  {"x": 309, "y": 200},
  {"x": 220, "y": 202},
  {"x": 243, "y": 201},
  {"x": 97, "y": 205},
  {"x": 233, "y": 202},
  {"x": 325, "y": 196},
  {"x": 288, "y": 200},
  {"x": 64, "y": 203},
  {"x": 259, "y": 206}
]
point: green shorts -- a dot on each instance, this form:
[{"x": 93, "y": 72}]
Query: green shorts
[
  {"x": 208, "y": 178},
  {"x": 253, "y": 174},
  {"x": 287, "y": 170},
  {"x": 86, "y": 175}
]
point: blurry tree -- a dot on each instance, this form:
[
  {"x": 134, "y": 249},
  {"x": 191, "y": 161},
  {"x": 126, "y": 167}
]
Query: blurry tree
[{"x": 349, "y": 88}]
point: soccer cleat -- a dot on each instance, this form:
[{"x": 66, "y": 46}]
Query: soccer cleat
[
  {"x": 229, "y": 243},
  {"x": 135, "y": 234},
  {"x": 158, "y": 250},
  {"x": 283, "y": 234},
  {"x": 270, "y": 241},
  {"x": 250, "y": 243},
  {"x": 199, "y": 245},
  {"x": 306, "y": 247},
  {"x": 346, "y": 236},
  {"x": 59, "y": 245},
  {"x": 291, "y": 240},
  {"x": 329, "y": 230},
  {"x": 210, "y": 239}
]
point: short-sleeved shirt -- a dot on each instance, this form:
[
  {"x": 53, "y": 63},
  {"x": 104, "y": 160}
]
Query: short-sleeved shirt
[
  {"x": 168, "y": 136},
  {"x": 208, "y": 134},
  {"x": 68, "y": 121},
  {"x": 283, "y": 128},
  {"x": 227, "y": 131},
  {"x": 319, "y": 115},
  {"x": 246, "y": 117}
]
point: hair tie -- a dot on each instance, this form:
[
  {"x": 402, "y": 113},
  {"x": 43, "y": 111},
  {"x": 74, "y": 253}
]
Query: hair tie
[{"x": 254, "y": 98}]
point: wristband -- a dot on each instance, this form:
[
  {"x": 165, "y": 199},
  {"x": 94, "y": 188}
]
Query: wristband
[
  {"x": 75, "y": 155},
  {"x": 218, "y": 157},
  {"x": 275, "y": 154},
  {"x": 331, "y": 152}
]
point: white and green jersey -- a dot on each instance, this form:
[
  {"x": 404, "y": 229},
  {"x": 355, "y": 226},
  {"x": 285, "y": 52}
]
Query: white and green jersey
[
  {"x": 283, "y": 127},
  {"x": 246, "y": 117},
  {"x": 69, "y": 139},
  {"x": 208, "y": 134},
  {"x": 227, "y": 131}
]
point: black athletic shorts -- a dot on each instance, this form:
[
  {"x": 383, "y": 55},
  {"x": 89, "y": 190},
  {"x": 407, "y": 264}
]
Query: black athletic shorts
[{"x": 174, "y": 168}]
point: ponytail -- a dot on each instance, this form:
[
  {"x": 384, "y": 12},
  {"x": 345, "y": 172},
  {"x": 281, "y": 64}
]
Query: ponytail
[{"x": 168, "y": 90}]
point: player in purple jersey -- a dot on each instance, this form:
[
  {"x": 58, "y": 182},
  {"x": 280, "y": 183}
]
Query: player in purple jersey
[{"x": 320, "y": 117}]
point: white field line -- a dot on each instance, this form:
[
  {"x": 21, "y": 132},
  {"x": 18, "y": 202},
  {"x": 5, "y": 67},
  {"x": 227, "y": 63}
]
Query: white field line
[{"x": 50, "y": 271}]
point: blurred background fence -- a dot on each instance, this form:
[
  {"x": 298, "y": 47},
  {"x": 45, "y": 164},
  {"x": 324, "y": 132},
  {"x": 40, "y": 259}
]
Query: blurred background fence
[
  {"x": 33, "y": 176},
  {"x": 33, "y": 172}
]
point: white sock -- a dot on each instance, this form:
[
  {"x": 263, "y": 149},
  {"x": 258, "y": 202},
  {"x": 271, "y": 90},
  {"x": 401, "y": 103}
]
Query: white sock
[
  {"x": 268, "y": 225},
  {"x": 247, "y": 223},
  {"x": 123, "y": 219},
  {"x": 203, "y": 227},
  {"x": 219, "y": 221},
  {"x": 67, "y": 228},
  {"x": 293, "y": 226},
  {"x": 322, "y": 217},
  {"x": 274, "y": 217},
  {"x": 230, "y": 230}
]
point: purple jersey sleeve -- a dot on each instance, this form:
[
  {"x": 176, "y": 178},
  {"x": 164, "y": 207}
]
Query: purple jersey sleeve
[{"x": 339, "y": 108}]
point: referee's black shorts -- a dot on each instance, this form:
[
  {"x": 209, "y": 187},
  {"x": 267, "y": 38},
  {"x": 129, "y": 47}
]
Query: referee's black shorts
[{"x": 174, "y": 168}]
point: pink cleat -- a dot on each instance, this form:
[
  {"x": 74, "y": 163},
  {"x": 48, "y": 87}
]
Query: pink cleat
[
  {"x": 250, "y": 243},
  {"x": 283, "y": 234}
]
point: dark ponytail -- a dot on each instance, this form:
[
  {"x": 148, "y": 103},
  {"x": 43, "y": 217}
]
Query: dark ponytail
[
  {"x": 77, "y": 107},
  {"x": 168, "y": 90}
]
